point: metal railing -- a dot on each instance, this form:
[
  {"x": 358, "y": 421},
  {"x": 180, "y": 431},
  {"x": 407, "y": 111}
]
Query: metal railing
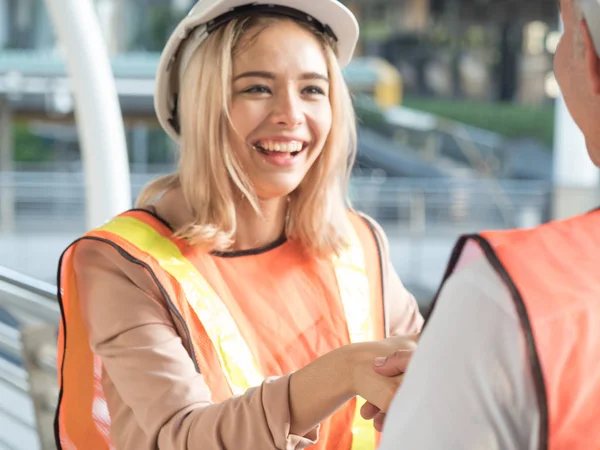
[
  {"x": 437, "y": 204},
  {"x": 29, "y": 316}
]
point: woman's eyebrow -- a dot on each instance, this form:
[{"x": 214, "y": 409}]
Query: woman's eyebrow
[{"x": 271, "y": 76}]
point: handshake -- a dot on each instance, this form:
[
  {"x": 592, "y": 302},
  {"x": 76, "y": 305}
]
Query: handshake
[{"x": 377, "y": 371}]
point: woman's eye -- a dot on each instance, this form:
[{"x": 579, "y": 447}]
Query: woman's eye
[
  {"x": 259, "y": 89},
  {"x": 313, "y": 90}
]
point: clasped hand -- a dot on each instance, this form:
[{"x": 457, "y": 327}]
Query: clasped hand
[{"x": 378, "y": 371}]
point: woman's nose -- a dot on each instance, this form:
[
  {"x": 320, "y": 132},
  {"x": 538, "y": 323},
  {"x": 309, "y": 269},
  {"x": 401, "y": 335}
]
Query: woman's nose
[{"x": 287, "y": 110}]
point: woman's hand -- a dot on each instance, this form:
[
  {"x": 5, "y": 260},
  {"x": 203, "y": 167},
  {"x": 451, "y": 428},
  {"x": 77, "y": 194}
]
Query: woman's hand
[
  {"x": 323, "y": 386},
  {"x": 392, "y": 366},
  {"x": 377, "y": 388}
]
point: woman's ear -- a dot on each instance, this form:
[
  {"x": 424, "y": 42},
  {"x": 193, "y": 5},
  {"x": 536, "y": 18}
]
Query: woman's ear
[{"x": 591, "y": 57}]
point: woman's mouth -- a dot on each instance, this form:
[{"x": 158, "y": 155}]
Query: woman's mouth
[
  {"x": 271, "y": 147},
  {"x": 280, "y": 153}
]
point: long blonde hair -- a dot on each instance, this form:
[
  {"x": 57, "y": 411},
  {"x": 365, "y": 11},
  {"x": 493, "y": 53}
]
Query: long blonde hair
[{"x": 211, "y": 177}]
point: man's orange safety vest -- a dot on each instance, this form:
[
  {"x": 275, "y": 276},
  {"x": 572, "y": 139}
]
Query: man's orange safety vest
[
  {"x": 553, "y": 275},
  {"x": 212, "y": 336}
]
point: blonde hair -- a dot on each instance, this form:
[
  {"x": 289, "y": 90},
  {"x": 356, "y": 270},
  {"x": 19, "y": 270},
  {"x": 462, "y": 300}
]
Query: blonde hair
[{"x": 211, "y": 177}]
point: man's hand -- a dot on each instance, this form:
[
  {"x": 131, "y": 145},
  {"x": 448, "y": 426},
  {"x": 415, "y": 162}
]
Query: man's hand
[{"x": 392, "y": 366}]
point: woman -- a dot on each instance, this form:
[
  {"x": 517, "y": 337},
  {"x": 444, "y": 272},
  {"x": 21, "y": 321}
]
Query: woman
[{"x": 241, "y": 305}]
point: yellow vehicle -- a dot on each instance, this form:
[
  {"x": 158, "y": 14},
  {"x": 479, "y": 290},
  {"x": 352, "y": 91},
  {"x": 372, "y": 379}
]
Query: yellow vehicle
[{"x": 376, "y": 78}]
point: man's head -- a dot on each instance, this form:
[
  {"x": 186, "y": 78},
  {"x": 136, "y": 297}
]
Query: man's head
[{"x": 577, "y": 69}]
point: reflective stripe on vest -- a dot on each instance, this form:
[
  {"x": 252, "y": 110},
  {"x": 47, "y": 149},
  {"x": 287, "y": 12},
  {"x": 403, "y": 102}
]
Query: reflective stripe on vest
[
  {"x": 353, "y": 283},
  {"x": 238, "y": 364}
]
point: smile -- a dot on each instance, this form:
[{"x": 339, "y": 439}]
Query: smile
[
  {"x": 273, "y": 147},
  {"x": 282, "y": 153}
]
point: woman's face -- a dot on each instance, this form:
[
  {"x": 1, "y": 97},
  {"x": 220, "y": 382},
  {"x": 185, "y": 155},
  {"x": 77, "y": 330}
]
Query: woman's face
[{"x": 280, "y": 107}]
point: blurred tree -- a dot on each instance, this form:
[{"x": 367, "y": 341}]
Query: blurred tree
[
  {"x": 29, "y": 147},
  {"x": 511, "y": 33}
]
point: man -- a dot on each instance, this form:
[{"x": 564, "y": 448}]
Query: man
[{"x": 509, "y": 357}]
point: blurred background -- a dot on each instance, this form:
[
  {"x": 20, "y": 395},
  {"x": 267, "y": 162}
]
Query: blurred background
[
  {"x": 455, "y": 98},
  {"x": 461, "y": 128}
]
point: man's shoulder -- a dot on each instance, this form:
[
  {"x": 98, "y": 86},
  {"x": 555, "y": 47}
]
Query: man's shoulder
[{"x": 478, "y": 280}]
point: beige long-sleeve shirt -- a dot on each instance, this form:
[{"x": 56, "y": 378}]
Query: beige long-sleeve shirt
[{"x": 155, "y": 396}]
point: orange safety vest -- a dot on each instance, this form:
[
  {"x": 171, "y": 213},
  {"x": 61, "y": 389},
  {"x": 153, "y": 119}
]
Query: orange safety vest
[
  {"x": 553, "y": 275},
  {"x": 213, "y": 339}
]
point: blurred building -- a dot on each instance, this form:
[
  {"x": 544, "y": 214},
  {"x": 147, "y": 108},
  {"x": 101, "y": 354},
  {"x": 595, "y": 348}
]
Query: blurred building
[
  {"x": 465, "y": 49},
  {"x": 478, "y": 49},
  {"x": 34, "y": 83},
  {"x": 414, "y": 172}
]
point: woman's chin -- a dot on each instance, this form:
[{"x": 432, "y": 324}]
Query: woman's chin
[{"x": 279, "y": 188}]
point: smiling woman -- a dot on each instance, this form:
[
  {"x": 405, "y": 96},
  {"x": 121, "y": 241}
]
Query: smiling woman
[{"x": 242, "y": 304}]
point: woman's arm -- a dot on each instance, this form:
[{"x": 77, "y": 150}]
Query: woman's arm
[
  {"x": 156, "y": 397},
  {"x": 402, "y": 308}
]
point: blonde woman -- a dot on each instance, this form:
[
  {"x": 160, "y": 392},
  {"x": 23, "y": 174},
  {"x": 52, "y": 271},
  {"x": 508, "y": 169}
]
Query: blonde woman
[{"x": 242, "y": 304}]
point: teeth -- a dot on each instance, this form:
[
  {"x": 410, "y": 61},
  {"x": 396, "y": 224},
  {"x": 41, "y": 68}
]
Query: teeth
[{"x": 283, "y": 147}]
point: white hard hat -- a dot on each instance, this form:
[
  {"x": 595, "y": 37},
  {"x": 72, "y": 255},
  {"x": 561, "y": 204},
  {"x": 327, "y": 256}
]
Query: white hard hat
[{"x": 330, "y": 16}]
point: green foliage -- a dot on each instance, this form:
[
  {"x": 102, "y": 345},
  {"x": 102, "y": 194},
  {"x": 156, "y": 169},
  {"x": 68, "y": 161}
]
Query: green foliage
[
  {"x": 29, "y": 147},
  {"x": 507, "y": 119}
]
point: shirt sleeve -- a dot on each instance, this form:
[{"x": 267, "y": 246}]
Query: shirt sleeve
[
  {"x": 469, "y": 385},
  {"x": 402, "y": 308},
  {"x": 155, "y": 396}
]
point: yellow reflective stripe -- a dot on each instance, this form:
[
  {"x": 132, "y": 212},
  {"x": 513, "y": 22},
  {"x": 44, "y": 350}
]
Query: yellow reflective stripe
[
  {"x": 353, "y": 283},
  {"x": 363, "y": 432},
  {"x": 241, "y": 372}
]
